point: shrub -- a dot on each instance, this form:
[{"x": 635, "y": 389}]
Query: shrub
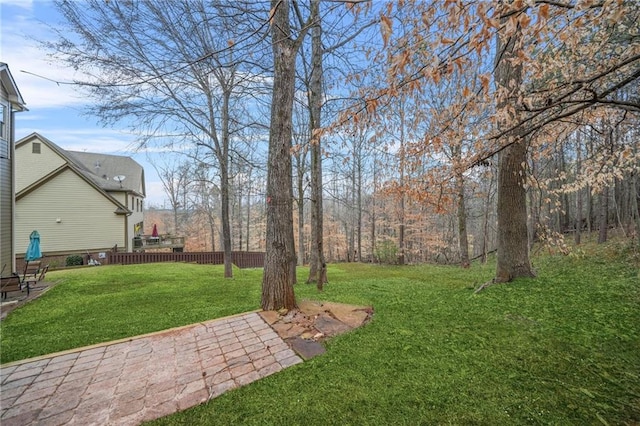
[{"x": 74, "y": 260}]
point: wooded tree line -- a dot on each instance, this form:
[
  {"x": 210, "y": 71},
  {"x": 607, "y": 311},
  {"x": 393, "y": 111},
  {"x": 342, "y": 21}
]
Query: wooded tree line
[
  {"x": 401, "y": 132},
  {"x": 362, "y": 215}
]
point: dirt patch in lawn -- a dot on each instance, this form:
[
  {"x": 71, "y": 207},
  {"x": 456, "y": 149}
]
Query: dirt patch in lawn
[{"x": 305, "y": 328}]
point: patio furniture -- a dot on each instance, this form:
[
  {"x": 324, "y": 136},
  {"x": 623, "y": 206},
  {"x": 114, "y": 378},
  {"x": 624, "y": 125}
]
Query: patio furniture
[
  {"x": 31, "y": 270},
  {"x": 11, "y": 283},
  {"x": 34, "y": 273}
]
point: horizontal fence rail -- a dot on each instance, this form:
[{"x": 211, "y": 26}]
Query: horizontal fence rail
[{"x": 242, "y": 259}]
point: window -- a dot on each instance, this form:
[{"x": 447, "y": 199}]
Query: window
[
  {"x": 35, "y": 148},
  {"x": 4, "y": 138},
  {"x": 3, "y": 120}
]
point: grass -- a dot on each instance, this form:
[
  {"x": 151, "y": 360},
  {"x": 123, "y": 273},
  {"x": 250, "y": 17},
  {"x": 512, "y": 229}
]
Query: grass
[
  {"x": 93, "y": 305},
  {"x": 563, "y": 348}
]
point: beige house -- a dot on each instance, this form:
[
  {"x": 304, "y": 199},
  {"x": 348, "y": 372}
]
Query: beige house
[
  {"x": 10, "y": 102},
  {"x": 79, "y": 202}
]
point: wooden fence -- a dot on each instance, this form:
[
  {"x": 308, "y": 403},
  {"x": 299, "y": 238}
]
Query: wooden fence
[{"x": 242, "y": 259}]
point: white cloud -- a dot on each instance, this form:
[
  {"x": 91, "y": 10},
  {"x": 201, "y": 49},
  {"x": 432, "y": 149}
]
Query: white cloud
[
  {"x": 79, "y": 139},
  {"x": 24, "y": 4},
  {"x": 21, "y": 52}
]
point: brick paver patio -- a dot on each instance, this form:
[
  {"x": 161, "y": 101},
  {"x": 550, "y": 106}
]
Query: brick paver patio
[{"x": 134, "y": 380}]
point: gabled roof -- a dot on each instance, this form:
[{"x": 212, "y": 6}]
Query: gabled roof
[
  {"x": 107, "y": 169},
  {"x": 77, "y": 164},
  {"x": 101, "y": 169},
  {"x": 10, "y": 87}
]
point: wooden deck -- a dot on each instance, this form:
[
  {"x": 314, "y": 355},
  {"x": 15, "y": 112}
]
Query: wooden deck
[{"x": 148, "y": 242}]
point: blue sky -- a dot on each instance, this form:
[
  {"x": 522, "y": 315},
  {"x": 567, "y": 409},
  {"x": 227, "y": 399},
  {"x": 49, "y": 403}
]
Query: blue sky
[{"x": 57, "y": 111}]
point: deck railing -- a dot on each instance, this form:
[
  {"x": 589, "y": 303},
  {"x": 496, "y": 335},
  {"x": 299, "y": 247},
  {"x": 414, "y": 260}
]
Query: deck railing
[{"x": 148, "y": 242}]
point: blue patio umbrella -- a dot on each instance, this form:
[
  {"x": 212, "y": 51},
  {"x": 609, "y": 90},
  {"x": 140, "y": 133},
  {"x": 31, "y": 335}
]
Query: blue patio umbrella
[{"x": 33, "y": 251}]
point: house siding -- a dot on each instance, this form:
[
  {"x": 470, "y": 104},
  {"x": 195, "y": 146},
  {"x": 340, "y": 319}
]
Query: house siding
[
  {"x": 35, "y": 166},
  {"x": 11, "y": 102},
  {"x": 136, "y": 216},
  {"x": 121, "y": 197},
  {"x": 87, "y": 218},
  {"x": 6, "y": 211}
]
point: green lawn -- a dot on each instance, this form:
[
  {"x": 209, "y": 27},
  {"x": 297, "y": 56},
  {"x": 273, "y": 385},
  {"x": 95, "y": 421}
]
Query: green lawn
[
  {"x": 99, "y": 304},
  {"x": 563, "y": 348}
]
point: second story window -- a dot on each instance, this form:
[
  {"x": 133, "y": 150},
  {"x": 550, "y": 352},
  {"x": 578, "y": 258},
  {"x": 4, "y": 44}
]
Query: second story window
[
  {"x": 35, "y": 148},
  {"x": 3, "y": 121}
]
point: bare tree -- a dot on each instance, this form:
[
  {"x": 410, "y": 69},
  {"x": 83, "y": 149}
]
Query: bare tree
[
  {"x": 172, "y": 70},
  {"x": 175, "y": 177},
  {"x": 280, "y": 258},
  {"x": 301, "y": 165},
  {"x": 317, "y": 267}
]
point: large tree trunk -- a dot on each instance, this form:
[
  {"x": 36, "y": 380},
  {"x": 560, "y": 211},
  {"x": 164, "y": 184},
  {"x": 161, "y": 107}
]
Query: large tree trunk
[
  {"x": 277, "y": 287},
  {"x": 291, "y": 240},
  {"x": 224, "y": 188},
  {"x": 317, "y": 266},
  {"x": 226, "y": 227},
  {"x": 463, "y": 239},
  {"x": 462, "y": 224},
  {"x": 513, "y": 242}
]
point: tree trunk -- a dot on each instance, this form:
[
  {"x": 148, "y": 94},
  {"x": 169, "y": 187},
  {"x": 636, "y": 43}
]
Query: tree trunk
[
  {"x": 534, "y": 208},
  {"x": 291, "y": 239},
  {"x": 317, "y": 266},
  {"x": 566, "y": 208},
  {"x": 372, "y": 211},
  {"x": 485, "y": 227},
  {"x": 176, "y": 231},
  {"x": 277, "y": 287},
  {"x": 401, "y": 247},
  {"x": 513, "y": 243},
  {"x": 603, "y": 222},
  {"x": 635, "y": 211},
  {"x": 224, "y": 190},
  {"x": 463, "y": 240},
  {"x": 590, "y": 209},
  {"x": 578, "y": 235},
  {"x": 300, "y": 224},
  {"x": 359, "y": 207},
  {"x": 462, "y": 224},
  {"x": 240, "y": 226},
  {"x": 248, "y": 217},
  {"x": 352, "y": 214},
  {"x": 300, "y": 157}
]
